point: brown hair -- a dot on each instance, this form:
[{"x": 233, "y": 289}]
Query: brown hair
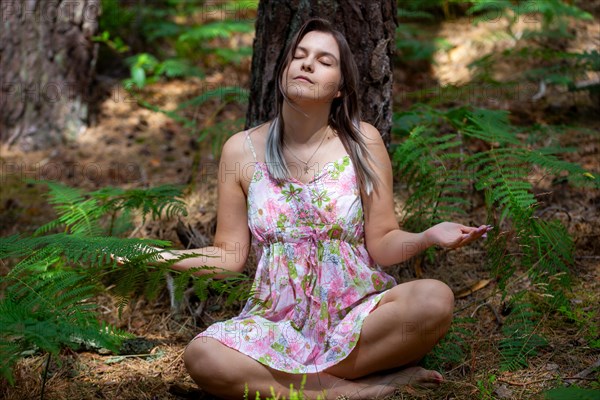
[{"x": 344, "y": 116}]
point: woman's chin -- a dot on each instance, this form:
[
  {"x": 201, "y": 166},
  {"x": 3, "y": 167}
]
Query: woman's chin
[{"x": 310, "y": 99}]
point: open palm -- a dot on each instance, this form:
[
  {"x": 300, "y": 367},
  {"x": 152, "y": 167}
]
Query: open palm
[{"x": 452, "y": 235}]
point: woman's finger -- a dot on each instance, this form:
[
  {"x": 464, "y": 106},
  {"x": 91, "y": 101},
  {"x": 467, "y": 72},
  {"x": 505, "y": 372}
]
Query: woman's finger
[
  {"x": 467, "y": 229},
  {"x": 474, "y": 234}
]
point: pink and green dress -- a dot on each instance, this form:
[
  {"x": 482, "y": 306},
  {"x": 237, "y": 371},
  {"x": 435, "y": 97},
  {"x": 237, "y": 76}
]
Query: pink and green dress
[{"x": 315, "y": 282}]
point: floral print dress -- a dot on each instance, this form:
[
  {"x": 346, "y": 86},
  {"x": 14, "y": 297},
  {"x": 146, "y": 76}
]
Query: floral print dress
[{"x": 315, "y": 282}]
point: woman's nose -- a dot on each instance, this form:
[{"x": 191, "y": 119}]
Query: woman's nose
[{"x": 307, "y": 65}]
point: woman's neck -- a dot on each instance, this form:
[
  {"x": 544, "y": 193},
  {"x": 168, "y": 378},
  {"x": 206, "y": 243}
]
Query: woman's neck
[{"x": 306, "y": 124}]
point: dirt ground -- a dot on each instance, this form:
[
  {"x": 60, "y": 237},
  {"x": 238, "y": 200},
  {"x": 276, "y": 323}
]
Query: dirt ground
[{"x": 130, "y": 146}]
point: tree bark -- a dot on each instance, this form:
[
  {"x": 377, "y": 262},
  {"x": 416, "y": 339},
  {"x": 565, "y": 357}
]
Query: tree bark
[
  {"x": 369, "y": 27},
  {"x": 47, "y": 59}
]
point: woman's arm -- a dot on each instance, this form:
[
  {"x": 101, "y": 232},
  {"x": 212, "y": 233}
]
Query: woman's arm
[
  {"x": 232, "y": 239},
  {"x": 386, "y": 243}
]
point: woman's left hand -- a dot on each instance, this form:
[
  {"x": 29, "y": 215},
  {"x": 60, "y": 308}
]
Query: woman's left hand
[{"x": 451, "y": 235}]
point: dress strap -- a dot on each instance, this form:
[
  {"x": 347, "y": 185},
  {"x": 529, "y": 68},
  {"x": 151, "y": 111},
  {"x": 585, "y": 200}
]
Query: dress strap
[{"x": 251, "y": 145}]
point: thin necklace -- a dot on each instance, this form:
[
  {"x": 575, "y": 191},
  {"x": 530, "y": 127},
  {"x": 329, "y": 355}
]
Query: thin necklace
[{"x": 306, "y": 169}]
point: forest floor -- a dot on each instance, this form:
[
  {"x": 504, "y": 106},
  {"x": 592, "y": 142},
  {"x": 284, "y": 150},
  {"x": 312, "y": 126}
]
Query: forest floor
[{"x": 131, "y": 146}]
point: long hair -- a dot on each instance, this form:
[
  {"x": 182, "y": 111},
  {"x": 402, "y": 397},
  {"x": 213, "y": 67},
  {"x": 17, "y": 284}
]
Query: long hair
[{"x": 344, "y": 116}]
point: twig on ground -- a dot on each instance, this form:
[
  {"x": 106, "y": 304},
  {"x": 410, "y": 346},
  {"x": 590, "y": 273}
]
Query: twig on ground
[
  {"x": 583, "y": 374},
  {"x": 488, "y": 305}
]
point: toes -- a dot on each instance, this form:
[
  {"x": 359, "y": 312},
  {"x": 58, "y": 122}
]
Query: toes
[
  {"x": 435, "y": 376},
  {"x": 427, "y": 378},
  {"x": 430, "y": 380}
]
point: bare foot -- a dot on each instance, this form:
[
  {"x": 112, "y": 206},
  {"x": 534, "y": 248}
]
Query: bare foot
[
  {"x": 382, "y": 385},
  {"x": 416, "y": 376}
]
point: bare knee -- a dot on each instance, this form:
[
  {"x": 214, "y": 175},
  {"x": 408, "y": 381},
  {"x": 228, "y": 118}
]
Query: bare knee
[
  {"x": 436, "y": 302},
  {"x": 203, "y": 363}
]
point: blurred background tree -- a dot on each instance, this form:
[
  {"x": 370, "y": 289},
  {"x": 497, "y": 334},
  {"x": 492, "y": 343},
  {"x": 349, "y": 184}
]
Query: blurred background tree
[{"x": 47, "y": 59}]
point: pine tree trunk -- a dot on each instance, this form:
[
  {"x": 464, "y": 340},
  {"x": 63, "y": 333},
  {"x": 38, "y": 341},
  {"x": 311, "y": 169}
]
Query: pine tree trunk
[
  {"x": 369, "y": 27},
  {"x": 47, "y": 59}
]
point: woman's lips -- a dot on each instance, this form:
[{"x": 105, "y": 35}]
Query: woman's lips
[{"x": 303, "y": 78}]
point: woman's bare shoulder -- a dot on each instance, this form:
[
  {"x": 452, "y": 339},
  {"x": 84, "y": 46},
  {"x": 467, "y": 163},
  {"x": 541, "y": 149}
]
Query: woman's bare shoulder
[
  {"x": 237, "y": 147},
  {"x": 233, "y": 149},
  {"x": 370, "y": 133},
  {"x": 259, "y": 132}
]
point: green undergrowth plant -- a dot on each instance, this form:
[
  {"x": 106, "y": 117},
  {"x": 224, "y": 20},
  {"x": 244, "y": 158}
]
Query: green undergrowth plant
[
  {"x": 544, "y": 45},
  {"x": 486, "y": 388},
  {"x": 46, "y": 309},
  {"x": 411, "y": 43},
  {"x": 551, "y": 14},
  {"x": 48, "y": 294},
  {"x": 541, "y": 34},
  {"x": 452, "y": 348},
  {"x": 184, "y": 37},
  {"x": 295, "y": 393},
  {"x": 571, "y": 393},
  {"x": 451, "y": 162},
  {"x": 585, "y": 320},
  {"x": 521, "y": 338},
  {"x": 147, "y": 69}
]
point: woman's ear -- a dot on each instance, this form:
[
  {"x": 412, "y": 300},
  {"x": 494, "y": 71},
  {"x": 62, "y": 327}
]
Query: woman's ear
[{"x": 338, "y": 94}]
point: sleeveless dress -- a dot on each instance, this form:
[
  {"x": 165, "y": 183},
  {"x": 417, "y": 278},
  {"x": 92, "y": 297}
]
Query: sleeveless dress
[{"x": 315, "y": 282}]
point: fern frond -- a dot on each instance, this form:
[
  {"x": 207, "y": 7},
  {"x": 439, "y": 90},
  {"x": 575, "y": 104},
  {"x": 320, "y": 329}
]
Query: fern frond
[
  {"x": 76, "y": 212},
  {"x": 491, "y": 126},
  {"x": 81, "y": 213},
  {"x": 154, "y": 282},
  {"x": 550, "y": 251},
  {"x": 48, "y": 313},
  {"x": 438, "y": 168},
  {"x": 96, "y": 251},
  {"x": 222, "y": 29},
  {"x": 201, "y": 288},
  {"x": 453, "y": 348},
  {"x": 155, "y": 201},
  {"x": 520, "y": 340},
  {"x": 90, "y": 251},
  {"x": 130, "y": 279},
  {"x": 429, "y": 166},
  {"x": 503, "y": 172},
  {"x": 223, "y": 94},
  {"x": 548, "y": 160}
]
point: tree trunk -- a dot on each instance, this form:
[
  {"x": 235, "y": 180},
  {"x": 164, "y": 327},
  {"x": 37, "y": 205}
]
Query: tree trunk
[
  {"x": 369, "y": 27},
  {"x": 47, "y": 59}
]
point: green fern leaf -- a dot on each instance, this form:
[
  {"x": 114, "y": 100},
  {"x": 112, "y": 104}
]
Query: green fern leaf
[{"x": 572, "y": 393}]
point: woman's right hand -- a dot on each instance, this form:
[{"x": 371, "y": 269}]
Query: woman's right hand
[{"x": 165, "y": 255}]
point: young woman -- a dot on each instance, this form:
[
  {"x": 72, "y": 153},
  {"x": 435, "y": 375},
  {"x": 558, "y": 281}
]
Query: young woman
[{"x": 312, "y": 188}]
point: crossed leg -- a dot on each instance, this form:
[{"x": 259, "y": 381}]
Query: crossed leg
[
  {"x": 406, "y": 324},
  {"x": 409, "y": 320}
]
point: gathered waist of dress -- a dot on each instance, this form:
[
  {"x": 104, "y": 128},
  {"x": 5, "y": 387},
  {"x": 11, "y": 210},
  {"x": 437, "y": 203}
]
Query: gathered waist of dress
[{"x": 310, "y": 235}]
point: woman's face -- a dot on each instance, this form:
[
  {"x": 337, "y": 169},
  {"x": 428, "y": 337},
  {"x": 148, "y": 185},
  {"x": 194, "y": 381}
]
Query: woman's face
[{"x": 314, "y": 74}]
